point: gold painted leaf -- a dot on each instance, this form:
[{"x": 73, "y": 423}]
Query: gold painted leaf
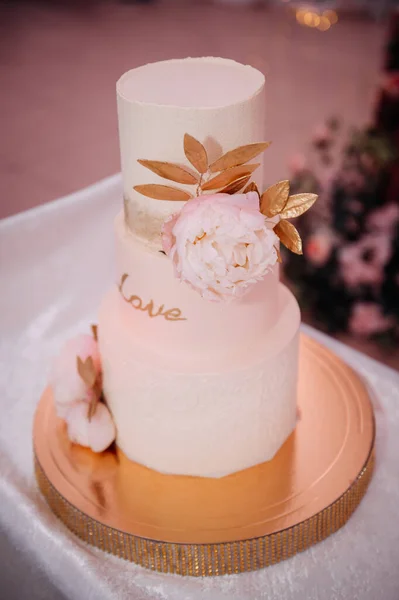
[
  {"x": 235, "y": 186},
  {"x": 252, "y": 187},
  {"x": 279, "y": 259},
  {"x": 237, "y": 157},
  {"x": 229, "y": 176},
  {"x": 297, "y": 205},
  {"x": 162, "y": 192},
  {"x": 170, "y": 171},
  {"x": 274, "y": 199},
  {"x": 289, "y": 236},
  {"x": 94, "y": 331},
  {"x": 195, "y": 153},
  {"x": 87, "y": 371}
]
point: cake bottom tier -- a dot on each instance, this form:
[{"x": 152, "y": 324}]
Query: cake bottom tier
[{"x": 206, "y": 420}]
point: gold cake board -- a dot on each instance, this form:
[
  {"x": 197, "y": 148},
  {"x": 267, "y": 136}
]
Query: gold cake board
[{"x": 245, "y": 521}]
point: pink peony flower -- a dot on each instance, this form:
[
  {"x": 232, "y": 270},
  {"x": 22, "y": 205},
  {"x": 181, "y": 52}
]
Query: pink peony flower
[
  {"x": 367, "y": 319},
  {"x": 220, "y": 244},
  {"x": 97, "y": 434},
  {"x": 68, "y": 387},
  {"x": 318, "y": 247},
  {"x": 356, "y": 269}
]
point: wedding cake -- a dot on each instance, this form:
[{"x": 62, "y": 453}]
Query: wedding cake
[{"x": 193, "y": 365}]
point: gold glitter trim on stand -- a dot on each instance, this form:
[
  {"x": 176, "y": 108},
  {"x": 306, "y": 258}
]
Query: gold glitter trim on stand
[
  {"x": 248, "y": 520},
  {"x": 201, "y": 560}
]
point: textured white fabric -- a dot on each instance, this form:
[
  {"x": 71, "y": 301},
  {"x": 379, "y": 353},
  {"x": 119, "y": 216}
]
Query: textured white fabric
[{"x": 56, "y": 262}]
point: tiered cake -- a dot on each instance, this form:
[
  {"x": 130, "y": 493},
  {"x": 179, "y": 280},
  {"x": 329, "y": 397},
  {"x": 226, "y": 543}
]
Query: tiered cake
[
  {"x": 193, "y": 367},
  {"x": 197, "y": 340}
]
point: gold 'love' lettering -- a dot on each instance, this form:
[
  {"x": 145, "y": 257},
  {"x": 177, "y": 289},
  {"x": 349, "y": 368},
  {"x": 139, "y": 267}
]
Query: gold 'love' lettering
[{"x": 171, "y": 314}]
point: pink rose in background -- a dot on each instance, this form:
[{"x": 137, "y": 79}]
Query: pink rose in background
[
  {"x": 318, "y": 247},
  {"x": 97, "y": 433},
  {"x": 367, "y": 319},
  {"x": 356, "y": 270},
  {"x": 68, "y": 387},
  {"x": 384, "y": 219},
  {"x": 220, "y": 244}
]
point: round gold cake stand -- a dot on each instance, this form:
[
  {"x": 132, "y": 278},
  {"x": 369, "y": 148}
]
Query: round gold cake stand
[{"x": 245, "y": 521}]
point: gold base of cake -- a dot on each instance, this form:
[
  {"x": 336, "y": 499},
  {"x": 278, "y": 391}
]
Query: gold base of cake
[{"x": 245, "y": 521}]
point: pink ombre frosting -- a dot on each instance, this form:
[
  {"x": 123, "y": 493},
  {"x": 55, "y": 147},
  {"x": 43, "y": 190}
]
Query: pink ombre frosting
[{"x": 204, "y": 329}]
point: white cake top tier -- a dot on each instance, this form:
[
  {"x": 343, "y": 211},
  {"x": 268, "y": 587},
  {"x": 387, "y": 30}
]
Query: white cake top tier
[{"x": 217, "y": 101}]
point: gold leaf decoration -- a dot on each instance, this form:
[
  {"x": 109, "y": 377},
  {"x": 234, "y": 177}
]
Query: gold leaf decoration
[
  {"x": 279, "y": 259},
  {"x": 289, "y": 236},
  {"x": 252, "y": 187},
  {"x": 87, "y": 371},
  {"x": 94, "y": 331},
  {"x": 229, "y": 176},
  {"x": 195, "y": 153},
  {"x": 297, "y": 205},
  {"x": 170, "y": 171},
  {"x": 237, "y": 157},
  {"x": 274, "y": 199},
  {"x": 162, "y": 192},
  {"x": 236, "y": 186}
]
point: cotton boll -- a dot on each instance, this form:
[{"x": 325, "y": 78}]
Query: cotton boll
[
  {"x": 66, "y": 383},
  {"x": 101, "y": 429},
  {"x": 78, "y": 423},
  {"x": 97, "y": 433}
]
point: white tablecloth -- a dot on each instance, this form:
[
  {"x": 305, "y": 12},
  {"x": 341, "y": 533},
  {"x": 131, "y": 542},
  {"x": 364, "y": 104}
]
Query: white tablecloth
[{"x": 56, "y": 262}]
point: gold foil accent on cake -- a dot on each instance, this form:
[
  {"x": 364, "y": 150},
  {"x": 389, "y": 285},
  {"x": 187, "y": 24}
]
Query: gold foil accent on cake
[
  {"x": 238, "y": 156},
  {"x": 162, "y": 192},
  {"x": 170, "y": 314},
  {"x": 230, "y": 168},
  {"x": 195, "y": 153},
  {"x": 289, "y": 236},
  {"x": 274, "y": 199},
  {"x": 235, "y": 186},
  {"x": 169, "y": 171},
  {"x": 297, "y": 205},
  {"x": 232, "y": 175},
  {"x": 229, "y": 176},
  {"x": 252, "y": 187}
]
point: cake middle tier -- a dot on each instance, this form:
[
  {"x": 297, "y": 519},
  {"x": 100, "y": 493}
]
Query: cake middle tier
[{"x": 167, "y": 317}]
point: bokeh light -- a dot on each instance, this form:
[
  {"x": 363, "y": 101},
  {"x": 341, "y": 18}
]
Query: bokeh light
[{"x": 312, "y": 18}]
